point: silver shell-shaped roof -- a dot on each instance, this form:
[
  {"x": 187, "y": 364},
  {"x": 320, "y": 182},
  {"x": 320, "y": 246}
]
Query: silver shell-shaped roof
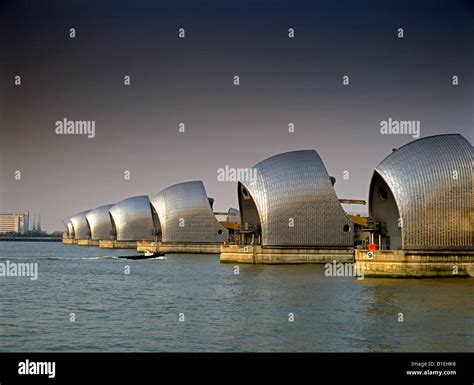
[
  {"x": 100, "y": 223},
  {"x": 292, "y": 200},
  {"x": 132, "y": 219},
  {"x": 431, "y": 182},
  {"x": 80, "y": 225},
  {"x": 185, "y": 215},
  {"x": 70, "y": 229}
]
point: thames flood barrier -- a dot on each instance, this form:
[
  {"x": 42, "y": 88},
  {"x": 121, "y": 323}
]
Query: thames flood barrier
[{"x": 419, "y": 221}]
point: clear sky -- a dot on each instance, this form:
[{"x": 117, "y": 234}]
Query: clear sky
[{"x": 190, "y": 80}]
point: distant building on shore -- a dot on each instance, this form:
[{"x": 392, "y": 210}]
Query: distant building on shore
[{"x": 14, "y": 223}]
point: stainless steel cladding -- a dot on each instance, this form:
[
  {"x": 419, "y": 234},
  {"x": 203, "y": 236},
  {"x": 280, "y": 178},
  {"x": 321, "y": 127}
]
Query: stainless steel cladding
[
  {"x": 70, "y": 230},
  {"x": 100, "y": 223},
  {"x": 185, "y": 215},
  {"x": 422, "y": 194},
  {"x": 133, "y": 219},
  {"x": 235, "y": 215},
  {"x": 81, "y": 226},
  {"x": 292, "y": 202}
]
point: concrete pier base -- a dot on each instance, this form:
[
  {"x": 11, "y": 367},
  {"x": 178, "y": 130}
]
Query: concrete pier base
[
  {"x": 87, "y": 242},
  {"x": 182, "y": 248},
  {"x": 276, "y": 255},
  {"x": 69, "y": 241},
  {"x": 404, "y": 263},
  {"x": 107, "y": 244}
]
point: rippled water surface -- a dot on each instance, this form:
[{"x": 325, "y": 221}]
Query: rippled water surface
[{"x": 222, "y": 311}]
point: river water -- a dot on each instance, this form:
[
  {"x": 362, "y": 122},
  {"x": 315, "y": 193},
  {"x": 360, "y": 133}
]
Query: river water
[{"x": 84, "y": 300}]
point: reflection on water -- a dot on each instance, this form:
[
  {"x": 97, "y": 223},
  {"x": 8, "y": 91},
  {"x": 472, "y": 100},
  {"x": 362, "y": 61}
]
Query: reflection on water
[{"x": 222, "y": 311}]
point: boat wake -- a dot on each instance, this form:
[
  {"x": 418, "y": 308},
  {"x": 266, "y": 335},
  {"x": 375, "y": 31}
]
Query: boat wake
[{"x": 100, "y": 257}]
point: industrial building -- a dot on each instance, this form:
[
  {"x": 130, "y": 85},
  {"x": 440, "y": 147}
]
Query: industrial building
[{"x": 14, "y": 223}]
